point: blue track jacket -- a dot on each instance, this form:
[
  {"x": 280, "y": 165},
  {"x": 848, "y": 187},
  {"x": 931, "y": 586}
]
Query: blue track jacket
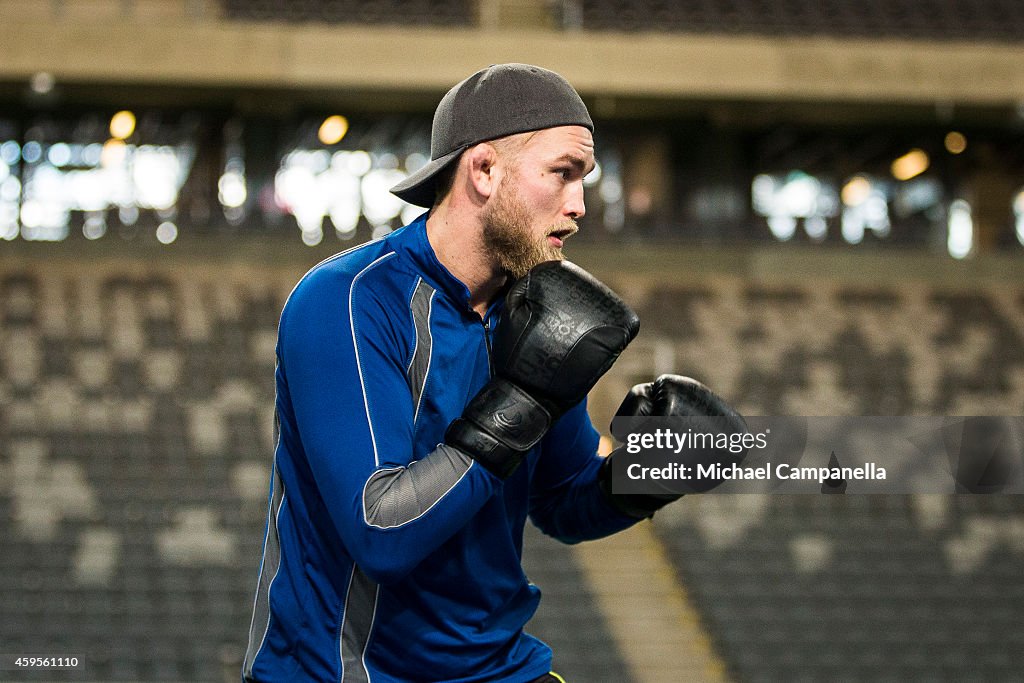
[{"x": 389, "y": 556}]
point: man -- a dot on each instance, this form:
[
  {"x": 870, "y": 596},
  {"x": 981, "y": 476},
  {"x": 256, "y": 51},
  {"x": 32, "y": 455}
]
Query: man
[{"x": 427, "y": 407}]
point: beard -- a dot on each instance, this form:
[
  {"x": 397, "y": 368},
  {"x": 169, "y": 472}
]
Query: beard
[{"x": 511, "y": 242}]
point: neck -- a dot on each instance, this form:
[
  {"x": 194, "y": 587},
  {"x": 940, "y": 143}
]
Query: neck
[{"x": 457, "y": 239}]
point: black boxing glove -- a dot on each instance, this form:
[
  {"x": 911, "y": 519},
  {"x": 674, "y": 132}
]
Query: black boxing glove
[
  {"x": 667, "y": 396},
  {"x": 561, "y": 330}
]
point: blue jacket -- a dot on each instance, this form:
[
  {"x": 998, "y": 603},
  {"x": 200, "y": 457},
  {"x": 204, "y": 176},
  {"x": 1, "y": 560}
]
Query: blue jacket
[{"x": 389, "y": 556}]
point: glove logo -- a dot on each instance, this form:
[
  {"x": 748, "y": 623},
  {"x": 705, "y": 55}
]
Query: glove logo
[{"x": 503, "y": 420}]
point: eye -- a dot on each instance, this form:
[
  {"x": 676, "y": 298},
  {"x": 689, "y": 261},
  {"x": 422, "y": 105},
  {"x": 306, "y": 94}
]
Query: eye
[{"x": 565, "y": 173}]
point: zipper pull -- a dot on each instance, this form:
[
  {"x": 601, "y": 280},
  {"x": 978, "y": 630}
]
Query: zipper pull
[{"x": 487, "y": 344}]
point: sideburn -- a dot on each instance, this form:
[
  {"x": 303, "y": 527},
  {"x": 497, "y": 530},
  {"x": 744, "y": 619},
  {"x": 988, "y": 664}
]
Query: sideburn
[{"x": 508, "y": 239}]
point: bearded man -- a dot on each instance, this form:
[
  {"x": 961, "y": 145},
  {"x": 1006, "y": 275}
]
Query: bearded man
[{"x": 431, "y": 396}]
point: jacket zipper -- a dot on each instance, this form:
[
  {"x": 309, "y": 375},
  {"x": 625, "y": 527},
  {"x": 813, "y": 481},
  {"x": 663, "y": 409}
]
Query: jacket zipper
[{"x": 487, "y": 344}]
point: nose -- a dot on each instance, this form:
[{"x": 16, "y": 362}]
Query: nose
[{"x": 575, "y": 208}]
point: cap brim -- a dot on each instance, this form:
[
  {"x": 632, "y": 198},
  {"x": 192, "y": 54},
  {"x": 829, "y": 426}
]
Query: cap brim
[{"x": 420, "y": 187}]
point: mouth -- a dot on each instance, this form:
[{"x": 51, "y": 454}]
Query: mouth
[{"x": 556, "y": 238}]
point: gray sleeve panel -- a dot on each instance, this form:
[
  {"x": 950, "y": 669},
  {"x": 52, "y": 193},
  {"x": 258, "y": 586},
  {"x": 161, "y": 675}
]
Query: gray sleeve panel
[
  {"x": 420, "y": 306},
  {"x": 357, "y": 622},
  {"x": 397, "y": 496},
  {"x": 268, "y": 572}
]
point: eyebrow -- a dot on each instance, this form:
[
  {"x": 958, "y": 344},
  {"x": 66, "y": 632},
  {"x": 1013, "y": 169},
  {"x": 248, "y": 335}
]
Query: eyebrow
[{"x": 575, "y": 161}]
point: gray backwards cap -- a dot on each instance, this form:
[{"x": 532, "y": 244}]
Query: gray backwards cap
[{"x": 500, "y": 100}]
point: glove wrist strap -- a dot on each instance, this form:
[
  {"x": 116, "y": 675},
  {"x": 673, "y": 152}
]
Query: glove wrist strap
[
  {"x": 499, "y": 426},
  {"x": 637, "y": 505}
]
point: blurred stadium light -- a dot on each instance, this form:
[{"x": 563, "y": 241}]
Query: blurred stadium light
[{"x": 681, "y": 109}]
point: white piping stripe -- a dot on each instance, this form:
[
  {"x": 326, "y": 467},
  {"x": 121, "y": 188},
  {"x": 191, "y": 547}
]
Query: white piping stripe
[
  {"x": 355, "y": 346},
  {"x": 328, "y": 260}
]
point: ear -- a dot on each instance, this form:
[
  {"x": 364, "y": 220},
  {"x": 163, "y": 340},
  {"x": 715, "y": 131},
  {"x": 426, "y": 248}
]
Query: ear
[{"x": 480, "y": 167}]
